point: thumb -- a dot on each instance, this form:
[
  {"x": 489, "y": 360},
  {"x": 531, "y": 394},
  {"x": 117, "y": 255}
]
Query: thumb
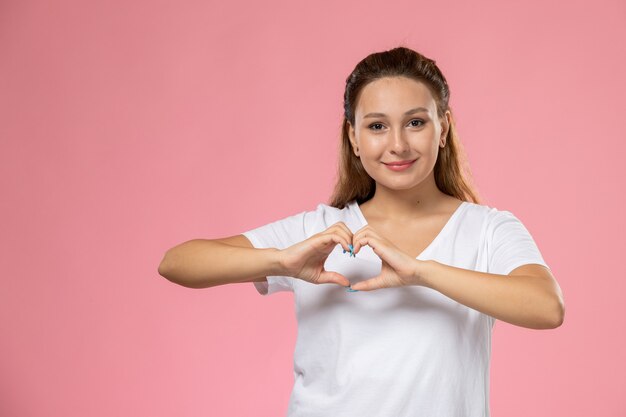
[
  {"x": 370, "y": 284},
  {"x": 329, "y": 277}
]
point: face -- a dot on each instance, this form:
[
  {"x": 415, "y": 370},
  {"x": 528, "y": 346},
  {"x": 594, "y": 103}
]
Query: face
[{"x": 396, "y": 120}]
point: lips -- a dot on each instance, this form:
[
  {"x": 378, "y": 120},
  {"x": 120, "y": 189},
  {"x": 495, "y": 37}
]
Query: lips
[
  {"x": 398, "y": 163},
  {"x": 399, "y": 166}
]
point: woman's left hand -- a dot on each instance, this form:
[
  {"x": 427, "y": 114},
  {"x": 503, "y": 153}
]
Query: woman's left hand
[{"x": 398, "y": 268}]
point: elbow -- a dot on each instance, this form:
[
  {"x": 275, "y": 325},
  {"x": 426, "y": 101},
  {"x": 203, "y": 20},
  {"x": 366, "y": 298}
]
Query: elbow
[
  {"x": 165, "y": 268},
  {"x": 561, "y": 313},
  {"x": 550, "y": 317},
  {"x": 168, "y": 270},
  {"x": 162, "y": 266},
  {"x": 161, "y": 270},
  {"x": 554, "y": 314},
  {"x": 557, "y": 315}
]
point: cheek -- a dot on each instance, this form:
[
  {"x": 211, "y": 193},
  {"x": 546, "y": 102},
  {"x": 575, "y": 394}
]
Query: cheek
[
  {"x": 427, "y": 142},
  {"x": 372, "y": 144}
]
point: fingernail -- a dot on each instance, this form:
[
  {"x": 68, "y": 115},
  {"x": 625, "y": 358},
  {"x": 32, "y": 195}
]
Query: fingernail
[{"x": 349, "y": 289}]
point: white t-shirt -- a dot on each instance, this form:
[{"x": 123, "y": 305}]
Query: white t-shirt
[{"x": 394, "y": 352}]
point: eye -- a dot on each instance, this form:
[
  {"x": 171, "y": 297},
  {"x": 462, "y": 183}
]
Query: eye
[
  {"x": 417, "y": 120},
  {"x": 375, "y": 124}
]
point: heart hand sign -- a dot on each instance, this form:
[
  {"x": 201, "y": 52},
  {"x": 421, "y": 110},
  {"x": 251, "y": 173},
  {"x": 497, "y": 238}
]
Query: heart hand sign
[{"x": 305, "y": 260}]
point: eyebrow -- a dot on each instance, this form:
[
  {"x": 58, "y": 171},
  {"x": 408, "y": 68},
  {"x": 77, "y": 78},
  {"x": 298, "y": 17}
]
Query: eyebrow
[{"x": 415, "y": 110}]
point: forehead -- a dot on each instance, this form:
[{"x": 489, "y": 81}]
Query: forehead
[{"x": 394, "y": 95}]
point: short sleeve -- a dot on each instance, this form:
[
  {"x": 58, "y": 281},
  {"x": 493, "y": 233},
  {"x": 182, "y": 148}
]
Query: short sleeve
[
  {"x": 510, "y": 244},
  {"x": 279, "y": 234}
]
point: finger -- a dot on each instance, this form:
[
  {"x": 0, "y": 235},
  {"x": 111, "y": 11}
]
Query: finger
[
  {"x": 366, "y": 232},
  {"x": 369, "y": 284},
  {"x": 330, "y": 277},
  {"x": 336, "y": 238},
  {"x": 356, "y": 240},
  {"x": 343, "y": 230},
  {"x": 368, "y": 238},
  {"x": 343, "y": 226}
]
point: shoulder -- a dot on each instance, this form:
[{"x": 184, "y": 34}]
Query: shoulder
[
  {"x": 314, "y": 219},
  {"x": 486, "y": 217},
  {"x": 497, "y": 224},
  {"x": 485, "y": 211},
  {"x": 481, "y": 212},
  {"x": 324, "y": 216}
]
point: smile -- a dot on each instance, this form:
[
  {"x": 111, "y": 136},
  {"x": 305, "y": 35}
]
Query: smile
[{"x": 395, "y": 166}]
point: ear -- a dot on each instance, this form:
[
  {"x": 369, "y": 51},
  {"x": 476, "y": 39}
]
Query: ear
[
  {"x": 352, "y": 138},
  {"x": 445, "y": 127}
]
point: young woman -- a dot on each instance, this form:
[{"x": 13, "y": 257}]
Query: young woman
[{"x": 432, "y": 266}]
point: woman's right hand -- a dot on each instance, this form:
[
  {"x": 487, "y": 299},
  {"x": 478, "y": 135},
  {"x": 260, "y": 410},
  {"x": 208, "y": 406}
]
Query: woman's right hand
[{"x": 305, "y": 260}]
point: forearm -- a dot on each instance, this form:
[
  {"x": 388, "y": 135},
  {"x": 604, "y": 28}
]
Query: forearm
[
  {"x": 201, "y": 263},
  {"x": 525, "y": 301}
]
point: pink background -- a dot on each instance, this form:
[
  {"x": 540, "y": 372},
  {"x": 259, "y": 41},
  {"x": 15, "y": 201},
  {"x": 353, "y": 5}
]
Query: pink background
[{"x": 128, "y": 127}]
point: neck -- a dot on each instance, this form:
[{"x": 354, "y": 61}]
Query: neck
[{"x": 405, "y": 205}]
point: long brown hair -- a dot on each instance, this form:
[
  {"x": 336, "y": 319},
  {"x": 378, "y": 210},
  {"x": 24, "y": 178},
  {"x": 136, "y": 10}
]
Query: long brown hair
[{"x": 452, "y": 173}]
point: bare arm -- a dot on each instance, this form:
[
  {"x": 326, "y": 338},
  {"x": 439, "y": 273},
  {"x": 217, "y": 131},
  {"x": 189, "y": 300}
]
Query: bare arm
[
  {"x": 528, "y": 296},
  {"x": 202, "y": 263}
]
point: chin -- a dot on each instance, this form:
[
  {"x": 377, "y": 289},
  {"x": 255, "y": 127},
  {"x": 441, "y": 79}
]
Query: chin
[{"x": 399, "y": 185}]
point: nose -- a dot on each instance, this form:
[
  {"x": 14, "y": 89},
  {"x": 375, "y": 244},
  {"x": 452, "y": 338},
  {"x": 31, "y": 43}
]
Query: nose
[{"x": 399, "y": 144}]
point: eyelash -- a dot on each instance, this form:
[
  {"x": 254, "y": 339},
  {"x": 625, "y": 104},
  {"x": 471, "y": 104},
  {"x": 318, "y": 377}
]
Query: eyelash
[{"x": 414, "y": 120}]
